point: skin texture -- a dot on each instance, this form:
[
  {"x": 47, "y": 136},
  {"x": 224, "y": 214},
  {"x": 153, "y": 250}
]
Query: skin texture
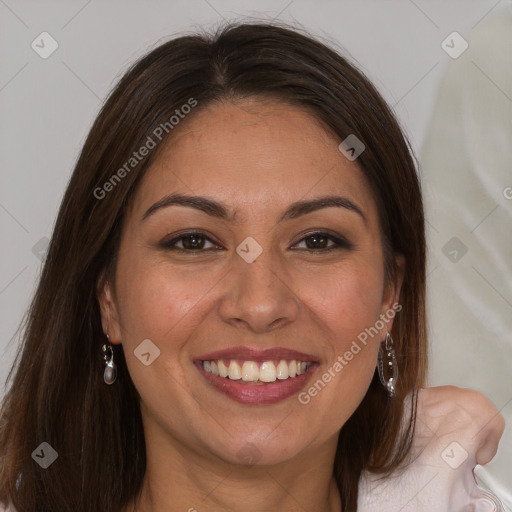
[{"x": 257, "y": 157}]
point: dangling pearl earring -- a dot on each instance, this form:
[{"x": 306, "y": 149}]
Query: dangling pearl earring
[{"x": 110, "y": 373}]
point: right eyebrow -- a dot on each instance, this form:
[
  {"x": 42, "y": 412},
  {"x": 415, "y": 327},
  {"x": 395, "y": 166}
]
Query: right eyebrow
[{"x": 204, "y": 204}]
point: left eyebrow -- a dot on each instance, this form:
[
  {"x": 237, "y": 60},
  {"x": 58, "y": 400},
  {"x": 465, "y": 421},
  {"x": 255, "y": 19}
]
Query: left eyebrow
[
  {"x": 307, "y": 206},
  {"x": 216, "y": 209}
]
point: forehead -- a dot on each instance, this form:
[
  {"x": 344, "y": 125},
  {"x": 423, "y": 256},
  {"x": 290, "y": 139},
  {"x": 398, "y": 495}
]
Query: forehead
[{"x": 253, "y": 152}]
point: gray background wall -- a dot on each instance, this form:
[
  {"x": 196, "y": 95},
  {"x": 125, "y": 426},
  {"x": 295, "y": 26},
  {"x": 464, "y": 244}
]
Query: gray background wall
[{"x": 48, "y": 104}]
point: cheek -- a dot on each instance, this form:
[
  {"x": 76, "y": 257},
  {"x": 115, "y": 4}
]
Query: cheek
[
  {"x": 164, "y": 304},
  {"x": 347, "y": 301},
  {"x": 157, "y": 301},
  {"x": 347, "y": 304}
]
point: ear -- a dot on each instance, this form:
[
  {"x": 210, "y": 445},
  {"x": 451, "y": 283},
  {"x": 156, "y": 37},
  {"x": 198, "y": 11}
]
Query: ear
[
  {"x": 391, "y": 295},
  {"x": 108, "y": 310}
]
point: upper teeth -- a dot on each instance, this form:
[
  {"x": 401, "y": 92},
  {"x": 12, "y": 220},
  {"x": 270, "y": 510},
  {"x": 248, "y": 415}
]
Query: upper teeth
[{"x": 252, "y": 371}]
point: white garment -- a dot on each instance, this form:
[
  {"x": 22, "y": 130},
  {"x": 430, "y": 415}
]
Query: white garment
[{"x": 455, "y": 429}]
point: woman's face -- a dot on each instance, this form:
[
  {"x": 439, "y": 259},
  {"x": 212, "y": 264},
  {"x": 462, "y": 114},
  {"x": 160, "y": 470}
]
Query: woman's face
[{"x": 251, "y": 283}]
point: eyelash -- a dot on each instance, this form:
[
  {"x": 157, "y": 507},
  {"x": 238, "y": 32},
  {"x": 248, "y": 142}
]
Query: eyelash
[{"x": 340, "y": 242}]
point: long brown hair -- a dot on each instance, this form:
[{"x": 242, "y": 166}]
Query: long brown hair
[{"x": 56, "y": 392}]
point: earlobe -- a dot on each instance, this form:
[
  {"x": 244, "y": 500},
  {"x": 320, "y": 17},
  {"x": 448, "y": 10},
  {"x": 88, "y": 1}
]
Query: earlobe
[{"x": 108, "y": 312}]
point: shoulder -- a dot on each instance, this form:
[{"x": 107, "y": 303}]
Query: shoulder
[
  {"x": 462, "y": 415},
  {"x": 455, "y": 430}
]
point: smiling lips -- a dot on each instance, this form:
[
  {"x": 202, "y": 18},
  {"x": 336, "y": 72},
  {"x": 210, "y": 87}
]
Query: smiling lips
[{"x": 257, "y": 376}]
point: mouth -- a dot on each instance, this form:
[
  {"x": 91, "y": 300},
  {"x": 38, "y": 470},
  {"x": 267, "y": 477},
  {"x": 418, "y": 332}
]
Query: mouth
[{"x": 254, "y": 376}]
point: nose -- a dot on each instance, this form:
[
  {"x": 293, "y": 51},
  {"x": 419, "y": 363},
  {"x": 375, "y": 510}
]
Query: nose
[{"x": 260, "y": 295}]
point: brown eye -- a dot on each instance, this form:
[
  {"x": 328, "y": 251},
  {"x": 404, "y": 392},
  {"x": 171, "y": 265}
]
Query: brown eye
[
  {"x": 189, "y": 242},
  {"x": 320, "y": 240},
  {"x": 316, "y": 241},
  {"x": 193, "y": 241}
]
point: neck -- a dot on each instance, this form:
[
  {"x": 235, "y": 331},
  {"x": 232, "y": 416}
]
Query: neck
[{"x": 184, "y": 480}]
